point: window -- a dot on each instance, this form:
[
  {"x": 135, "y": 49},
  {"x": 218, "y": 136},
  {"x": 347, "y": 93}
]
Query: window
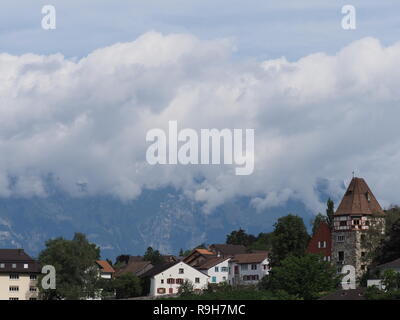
[
  {"x": 264, "y": 266},
  {"x": 14, "y": 288},
  {"x": 341, "y": 255},
  {"x": 223, "y": 278},
  {"x": 321, "y": 244},
  {"x": 216, "y": 269},
  {"x": 179, "y": 281},
  {"x": 343, "y": 223},
  {"x": 356, "y": 222},
  {"x": 224, "y": 269},
  {"x": 14, "y": 265},
  {"x": 13, "y": 298},
  {"x": 170, "y": 280},
  {"x": 363, "y": 237},
  {"x": 25, "y": 266},
  {"x": 196, "y": 280},
  {"x": 363, "y": 267},
  {"x": 32, "y": 289},
  {"x": 2, "y": 265},
  {"x": 181, "y": 271},
  {"x": 363, "y": 254},
  {"x": 340, "y": 238},
  {"x": 14, "y": 276},
  {"x": 162, "y": 281},
  {"x": 34, "y": 277},
  {"x": 243, "y": 267},
  {"x": 253, "y": 267},
  {"x": 214, "y": 279}
]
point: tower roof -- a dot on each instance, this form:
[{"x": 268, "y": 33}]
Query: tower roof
[{"x": 358, "y": 200}]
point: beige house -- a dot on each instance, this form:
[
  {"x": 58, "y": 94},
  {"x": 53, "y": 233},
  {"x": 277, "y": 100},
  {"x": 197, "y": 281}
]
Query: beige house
[{"x": 18, "y": 275}]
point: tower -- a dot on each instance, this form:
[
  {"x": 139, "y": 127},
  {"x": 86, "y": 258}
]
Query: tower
[{"x": 358, "y": 223}]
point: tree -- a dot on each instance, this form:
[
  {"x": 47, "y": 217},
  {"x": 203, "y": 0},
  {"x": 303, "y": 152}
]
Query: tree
[
  {"x": 262, "y": 242},
  {"x": 122, "y": 259},
  {"x": 153, "y": 256},
  {"x": 127, "y": 286},
  {"x": 306, "y": 277},
  {"x": 186, "y": 288},
  {"x": 290, "y": 237},
  {"x": 389, "y": 249},
  {"x": 330, "y": 210},
  {"x": 74, "y": 261},
  {"x": 317, "y": 220},
  {"x": 240, "y": 237}
]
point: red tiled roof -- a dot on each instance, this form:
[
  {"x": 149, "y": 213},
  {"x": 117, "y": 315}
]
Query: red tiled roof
[
  {"x": 105, "y": 266},
  {"x": 358, "y": 200}
]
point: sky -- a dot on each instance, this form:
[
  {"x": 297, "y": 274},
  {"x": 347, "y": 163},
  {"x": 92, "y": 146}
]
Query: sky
[{"x": 77, "y": 101}]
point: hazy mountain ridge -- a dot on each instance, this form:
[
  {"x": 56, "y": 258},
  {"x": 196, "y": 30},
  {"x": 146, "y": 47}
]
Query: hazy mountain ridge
[{"x": 164, "y": 219}]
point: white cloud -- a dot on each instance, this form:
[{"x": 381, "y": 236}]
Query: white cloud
[{"x": 86, "y": 120}]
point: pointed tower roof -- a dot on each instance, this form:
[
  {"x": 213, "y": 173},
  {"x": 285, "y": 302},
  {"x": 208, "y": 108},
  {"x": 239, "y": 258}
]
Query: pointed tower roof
[{"x": 358, "y": 200}]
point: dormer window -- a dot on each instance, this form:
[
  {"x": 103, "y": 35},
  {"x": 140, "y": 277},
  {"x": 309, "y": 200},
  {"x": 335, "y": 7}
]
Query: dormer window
[{"x": 368, "y": 197}]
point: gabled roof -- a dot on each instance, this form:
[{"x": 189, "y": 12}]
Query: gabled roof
[
  {"x": 211, "y": 262},
  {"x": 159, "y": 268},
  {"x": 204, "y": 252},
  {"x": 358, "y": 200},
  {"x": 14, "y": 255},
  {"x": 105, "y": 266},
  {"x": 250, "y": 257},
  {"x": 323, "y": 233},
  {"x": 228, "y": 249},
  {"x": 391, "y": 264},
  {"x": 132, "y": 267}
]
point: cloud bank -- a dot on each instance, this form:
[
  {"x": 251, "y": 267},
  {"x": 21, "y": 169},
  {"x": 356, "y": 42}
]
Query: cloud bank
[{"x": 85, "y": 121}]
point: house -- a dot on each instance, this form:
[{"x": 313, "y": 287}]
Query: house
[
  {"x": 18, "y": 275},
  {"x": 197, "y": 257},
  {"x": 135, "y": 267},
  {"x": 168, "y": 277},
  {"x": 105, "y": 270},
  {"x": 392, "y": 265},
  {"x": 248, "y": 268},
  {"x": 358, "y": 212},
  {"x": 227, "y": 250},
  {"x": 321, "y": 242},
  {"x": 217, "y": 268}
]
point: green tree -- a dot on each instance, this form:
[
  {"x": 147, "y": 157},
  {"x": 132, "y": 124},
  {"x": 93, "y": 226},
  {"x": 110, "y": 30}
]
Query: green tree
[
  {"x": 290, "y": 237},
  {"x": 262, "y": 242},
  {"x": 240, "y": 237},
  {"x": 127, "y": 286},
  {"x": 389, "y": 249},
  {"x": 153, "y": 256},
  {"x": 306, "y": 277},
  {"x": 330, "y": 210},
  {"x": 74, "y": 261}
]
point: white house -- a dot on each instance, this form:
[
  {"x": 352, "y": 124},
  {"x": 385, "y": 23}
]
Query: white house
[
  {"x": 217, "y": 268},
  {"x": 392, "y": 265},
  {"x": 248, "y": 268},
  {"x": 167, "y": 278}
]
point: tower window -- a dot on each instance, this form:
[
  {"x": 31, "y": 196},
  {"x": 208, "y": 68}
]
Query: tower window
[
  {"x": 340, "y": 238},
  {"x": 341, "y": 255}
]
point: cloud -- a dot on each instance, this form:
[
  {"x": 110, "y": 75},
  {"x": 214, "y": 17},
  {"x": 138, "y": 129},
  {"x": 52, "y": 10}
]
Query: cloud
[{"x": 85, "y": 121}]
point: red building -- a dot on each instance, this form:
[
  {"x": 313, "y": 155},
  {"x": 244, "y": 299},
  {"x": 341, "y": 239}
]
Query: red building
[{"x": 321, "y": 242}]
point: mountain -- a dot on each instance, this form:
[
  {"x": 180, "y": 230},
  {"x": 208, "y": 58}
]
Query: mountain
[{"x": 163, "y": 219}]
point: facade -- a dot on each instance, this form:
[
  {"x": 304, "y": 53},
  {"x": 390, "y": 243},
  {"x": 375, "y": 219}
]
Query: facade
[
  {"x": 358, "y": 219},
  {"x": 18, "y": 275},
  {"x": 248, "y": 268},
  {"x": 321, "y": 242},
  {"x": 166, "y": 279},
  {"x": 217, "y": 268}
]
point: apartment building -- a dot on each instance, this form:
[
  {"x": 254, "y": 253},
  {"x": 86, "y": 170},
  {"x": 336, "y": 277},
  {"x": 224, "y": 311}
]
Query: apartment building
[{"x": 18, "y": 275}]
